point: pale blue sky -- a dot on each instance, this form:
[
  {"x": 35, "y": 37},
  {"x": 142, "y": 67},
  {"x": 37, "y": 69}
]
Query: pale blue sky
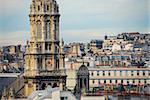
[{"x": 81, "y": 20}]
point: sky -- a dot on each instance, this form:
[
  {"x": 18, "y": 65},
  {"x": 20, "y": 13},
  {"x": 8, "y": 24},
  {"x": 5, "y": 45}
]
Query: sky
[{"x": 80, "y": 21}]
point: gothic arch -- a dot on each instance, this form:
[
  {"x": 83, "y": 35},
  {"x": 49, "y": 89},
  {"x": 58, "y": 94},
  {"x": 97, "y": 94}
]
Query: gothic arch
[
  {"x": 39, "y": 29},
  {"x": 47, "y": 29}
]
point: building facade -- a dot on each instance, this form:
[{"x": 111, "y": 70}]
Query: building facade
[
  {"x": 44, "y": 58},
  {"x": 116, "y": 76},
  {"x": 111, "y": 77}
]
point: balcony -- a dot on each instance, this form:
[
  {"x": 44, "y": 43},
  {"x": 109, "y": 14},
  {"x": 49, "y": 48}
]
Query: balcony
[
  {"x": 45, "y": 73},
  {"x": 53, "y": 73}
]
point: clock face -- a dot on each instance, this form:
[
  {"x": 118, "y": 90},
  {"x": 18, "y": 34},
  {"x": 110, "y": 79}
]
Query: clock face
[{"x": 49, "y": 62}]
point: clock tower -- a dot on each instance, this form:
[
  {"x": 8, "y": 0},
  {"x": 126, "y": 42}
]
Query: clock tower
[{"x": 44, "y": 58}]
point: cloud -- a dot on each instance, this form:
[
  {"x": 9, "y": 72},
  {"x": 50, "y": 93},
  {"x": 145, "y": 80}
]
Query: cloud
[
  {"x": 12, "y": 38},
  {"x": 103, "y": 13},
  {"x": 81, "y": 20},
  {"x": 9, "y": 7},
  {"x": 85, "y": 7}
]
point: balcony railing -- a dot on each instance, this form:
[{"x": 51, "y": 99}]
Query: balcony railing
[
  {"x": 53, "y": 73},
  {"x": 45, "y": 73}
]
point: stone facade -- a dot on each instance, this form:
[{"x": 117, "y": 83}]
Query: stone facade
[{"x": 44, "y": 58}]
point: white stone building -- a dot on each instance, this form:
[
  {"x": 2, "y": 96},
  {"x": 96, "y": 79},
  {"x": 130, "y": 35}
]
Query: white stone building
[
  {"x": 114, "y": 76},
  {"x": 111, "y": 76},
  {"x": 51, "y": 94}
]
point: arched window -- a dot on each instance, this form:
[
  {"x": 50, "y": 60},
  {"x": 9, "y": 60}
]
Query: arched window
[
  {"x": 39, "y": 30},
  {"x": 47, "y": 30}
]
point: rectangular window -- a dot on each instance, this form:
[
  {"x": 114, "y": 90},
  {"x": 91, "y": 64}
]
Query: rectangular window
[
  {"x": 99, "y": 81},
  {"x": 92, "y": 73},
  {"x": 109, "y": 73},
  {"x": 131, "y": 73},
  {"x": 50, "y": 47},
  {"x": 122, "y": 81},
  {"x": 143, "y": 73},
  {"x": 139, "y": 81},
  {"x": 97, "y": 73},
  {"x": 137, "y": 73},
  {"x": 110, "y": 81},
  {"x": 116, "y": 81},
  {"x": 93, "y": 81},
  {"x": 133, "y": 81},
  {"x": 103, "y": 73},
  {"x": 46, "y": 46},
  {"x": 145, "y": 81},
  {"x": 127, "y": 81},
  {"x": 105, "y": 81}
]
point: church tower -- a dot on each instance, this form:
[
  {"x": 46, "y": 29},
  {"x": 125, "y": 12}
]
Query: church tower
[{"x": 44, "y": 58}]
